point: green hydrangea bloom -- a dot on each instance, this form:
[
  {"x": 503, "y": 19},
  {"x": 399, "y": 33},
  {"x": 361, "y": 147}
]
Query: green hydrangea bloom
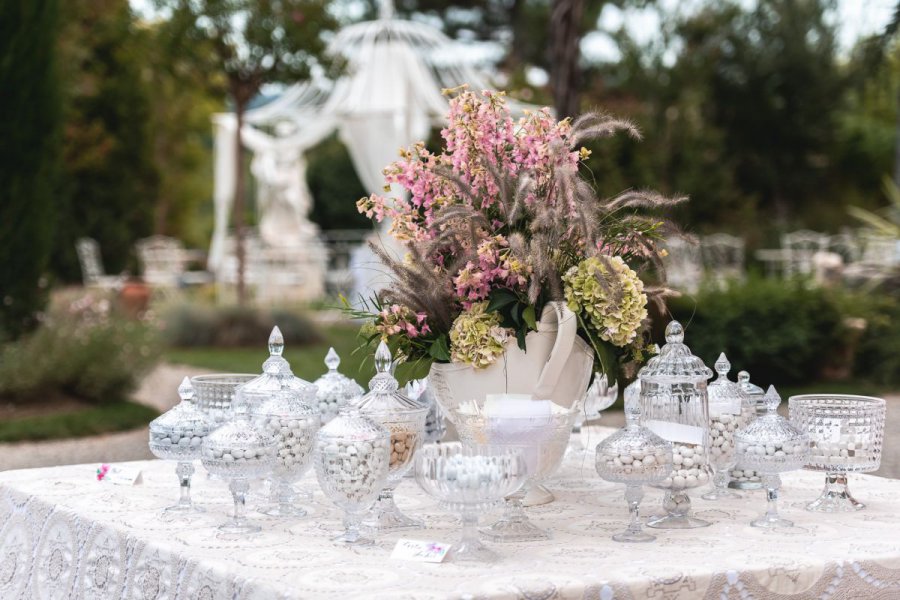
[
  {"x": 616, "y": 307},
  {"x": 476, "y": 337}
]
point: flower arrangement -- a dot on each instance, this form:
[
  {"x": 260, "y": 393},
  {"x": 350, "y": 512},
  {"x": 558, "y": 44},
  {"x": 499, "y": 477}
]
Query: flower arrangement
[{"x": 499, "y": 223}]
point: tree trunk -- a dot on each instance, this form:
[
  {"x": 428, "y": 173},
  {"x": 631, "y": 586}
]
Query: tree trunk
[
  {"x": 239, "y": 249},
  {"x": 565, "y": 39},
  {"x": 897, "y": 139}
]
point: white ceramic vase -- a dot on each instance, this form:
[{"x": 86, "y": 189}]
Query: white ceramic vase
[{"x": 557, "y": 366}]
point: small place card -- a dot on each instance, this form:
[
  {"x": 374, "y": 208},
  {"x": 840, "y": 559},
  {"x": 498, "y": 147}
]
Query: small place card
[
  {"x": 123, "y": 475},
  {"x": 417, "y": 550}
]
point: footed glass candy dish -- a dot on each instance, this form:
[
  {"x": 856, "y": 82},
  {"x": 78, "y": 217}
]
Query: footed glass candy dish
[
  {"x": 238, "y": 453},
  {"x": 634, "y": 456},
  {"x": 405, "y": 419},
  {"x": 351, "y": 458},
  {"x": 771, "y": 445},
  {"x": 541, "y": 437},
  {"x": 214, "y": 394},
  {"x": 675, "y": 406},
  {"x": 293, "y": 424},
  {"x": 177, "y": 435},
  {"x": 727, "y": 415},
  {"x": 470, "y": 480},
  {"x": 752, "y": 406},
  {"x": 845, "y": 436}
]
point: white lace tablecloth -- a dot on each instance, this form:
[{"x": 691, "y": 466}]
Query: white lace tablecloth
[{"x": 65, "y": 535}]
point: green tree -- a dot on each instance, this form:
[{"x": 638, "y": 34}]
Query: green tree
[
  {"x": 256, "y": 42},
  {"x": 185, "y": 89},
  {"x": 109, "y": 177},
  {"x": 28, "y": 156}
]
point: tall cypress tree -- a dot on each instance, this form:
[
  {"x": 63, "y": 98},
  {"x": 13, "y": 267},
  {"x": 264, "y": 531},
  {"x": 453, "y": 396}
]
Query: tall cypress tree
[{"x": 29, "y": 153}]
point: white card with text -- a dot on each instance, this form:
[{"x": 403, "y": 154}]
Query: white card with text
[
  {"x": 418, "y": 550},
  {"x": 123, "y": 475}
]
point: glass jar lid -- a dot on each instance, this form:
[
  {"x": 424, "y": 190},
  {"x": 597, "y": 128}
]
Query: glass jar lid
[
  {"x": 184, "y": 416},
  {"x": 384, "y": 395},
  {"x": 770, "y": 428},
  {"x": 276, "y": 370},
  {"x": 675, "y": 362},
  {"x": 350, "y": 424},
  {"x": 285, "y": 403},
  {"x": 335, "y": 388},
  {"x": 725, "y": 396},
  {"x": 634, "y": 438},
  {"x": 240, "y": 432}
]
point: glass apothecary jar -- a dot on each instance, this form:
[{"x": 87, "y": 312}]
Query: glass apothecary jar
[
  {"x": 405, "y": 419},
  {"x": 238, "y": 453},
  {"x": 636, "y": 457},
  {"x": 177, "y": 435},
  {"x": 727, "y": 414},
  {"x": 675, "y": 407},
  {"x": 753, "y": 406},
  {"x": 771, "y": 445},
  {"x": 351, "y": 458},
  {"x": 334, "y": 389},
  {"x": 845, "y": 436},
  {"x": 293, "y": 424}
]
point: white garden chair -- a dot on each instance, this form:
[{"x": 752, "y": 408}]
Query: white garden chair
[
  {"x": 723, "y": 257},
  {"x": 684, "y": 268},
  {"x": 800, "y": 248},
  {"x": 92, "y": 272}
]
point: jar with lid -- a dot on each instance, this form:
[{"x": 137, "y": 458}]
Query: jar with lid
[
  {"x": 293, "y": 424},
  {"x": 675, "y": 406},
  {"x": 351, "y": 459},
  {"x": 405, "y": 419},
  {"x": 238, "y": 453},
  {"x": 771, "y": 445},
  {"x": 177, "y": 435},
  {"x": 752, "y": 406},
  {"x": 727, "y": 414},
  {"x": 635, "y": 456}
]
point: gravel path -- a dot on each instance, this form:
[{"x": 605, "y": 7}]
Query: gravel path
[{"x": 157, "y": 390}]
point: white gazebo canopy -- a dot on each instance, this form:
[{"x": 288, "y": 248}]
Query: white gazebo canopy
[{"x": 389, "y": 98}]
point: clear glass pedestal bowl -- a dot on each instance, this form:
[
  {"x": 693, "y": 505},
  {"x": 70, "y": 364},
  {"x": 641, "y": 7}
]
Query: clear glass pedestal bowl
[
  {"x": 845, "y": 436},
  {"x": 404, "y": 418},
  {"x": 214, "y": 394},
  {"x": 635, "y": 456},
  {"x": 293, "y": 424},
  {"x": 177, "y": 435},
  {"x": 351, "y": 459},
  {"x": 238, "y": 453},
  {"x": 542, "y": 440},
  {"x": 772, "y": 445},
  {"x": 470, "y": 480}
]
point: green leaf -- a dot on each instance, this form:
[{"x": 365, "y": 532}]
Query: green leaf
[
  {"x": 520, "y": 337},
  {"x": 516, "y": 315},
  {"x": 608, "y": 361},
  {"x": 500, "y": 298},
  {"x": 529, "y": 317},
  {"x": 440, "y": 349}
]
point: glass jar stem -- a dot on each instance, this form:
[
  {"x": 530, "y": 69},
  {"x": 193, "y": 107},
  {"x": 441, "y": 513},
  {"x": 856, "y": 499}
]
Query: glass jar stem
[
  {"x": 469, "y": 536},
  {"x": 633, "y": 495},
  {"x": 239, "y": 488},
  {"x": 352, "y": 522},
  {"x": 184, "y": 470}
]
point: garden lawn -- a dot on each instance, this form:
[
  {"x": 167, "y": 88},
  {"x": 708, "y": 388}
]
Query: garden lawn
[
  {"x": 307, "y": 362},
  {"x": 92, "y": 420}
]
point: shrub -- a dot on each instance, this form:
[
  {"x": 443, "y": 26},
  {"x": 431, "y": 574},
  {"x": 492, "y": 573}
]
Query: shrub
[
  {"x": 782, "y": 332},
  {"x": 82, "y": 348},
  {"x": 192, "y": 325},
  {"x": 878, "y": 356}
]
